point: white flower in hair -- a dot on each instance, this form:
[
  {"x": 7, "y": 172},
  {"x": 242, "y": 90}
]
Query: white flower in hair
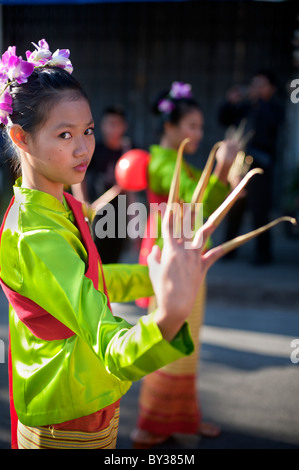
[
  {"x": 60, "y": 58},
  {"x": 41, "y": 55}
]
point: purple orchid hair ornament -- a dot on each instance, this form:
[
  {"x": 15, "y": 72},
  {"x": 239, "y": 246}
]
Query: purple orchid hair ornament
[
  {"x": 165, "y": 106},
  {"x": 5, "y": 106},
  {"x": 14, "y": 68},
  {"x": 178, "y": 91}
]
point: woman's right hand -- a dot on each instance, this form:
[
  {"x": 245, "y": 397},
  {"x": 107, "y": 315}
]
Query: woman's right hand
[{"x": 177, "y": 273}]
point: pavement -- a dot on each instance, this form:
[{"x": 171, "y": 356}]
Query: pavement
[{"x": 248, "y": 377}]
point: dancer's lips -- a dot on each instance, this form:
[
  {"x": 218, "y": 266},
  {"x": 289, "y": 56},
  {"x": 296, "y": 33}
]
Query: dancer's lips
[{"x": 82, "y": 166}]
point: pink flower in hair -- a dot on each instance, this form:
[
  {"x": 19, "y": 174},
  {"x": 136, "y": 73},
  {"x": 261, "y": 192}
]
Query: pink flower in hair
[
  {"x": 19, "y": 69},
  {"x": 165, "y": 106},
  {"x": 180, "y": 90},
  {"x": 60, "y": 58},
  {"x": 11, "y": 51},
  {"x": 41, "y": 55},
  {"x": 15, "y": 69},
  {"x": 5, "y": 106}
]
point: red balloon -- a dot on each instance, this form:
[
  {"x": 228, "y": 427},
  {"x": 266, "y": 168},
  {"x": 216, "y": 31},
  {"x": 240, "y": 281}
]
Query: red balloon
[{"x": 131, "y": 170}]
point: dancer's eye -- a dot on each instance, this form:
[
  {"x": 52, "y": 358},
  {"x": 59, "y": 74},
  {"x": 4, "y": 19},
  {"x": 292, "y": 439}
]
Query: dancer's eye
[
  {"x": 65, "y": 135},
  {"x": 89, "y": 131}
]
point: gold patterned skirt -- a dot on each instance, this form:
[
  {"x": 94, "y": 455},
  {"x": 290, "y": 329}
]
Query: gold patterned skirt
[
  {"x": 168, "y": 401},
  {"x": 43, "y": 437}
]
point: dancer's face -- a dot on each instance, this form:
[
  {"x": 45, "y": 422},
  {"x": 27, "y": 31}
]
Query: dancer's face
[
  {"x": 190, "y": 126},
  {"x": 59, "y": 152}
]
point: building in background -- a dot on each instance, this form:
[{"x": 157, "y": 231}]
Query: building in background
[{"x": 125, "y": 52}]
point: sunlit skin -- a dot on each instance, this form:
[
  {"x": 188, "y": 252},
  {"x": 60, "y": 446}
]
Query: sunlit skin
[{"x": 59, "y": 152}]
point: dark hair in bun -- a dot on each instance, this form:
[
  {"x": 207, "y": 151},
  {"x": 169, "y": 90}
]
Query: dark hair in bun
[
  {"x": 173, "y": 108},
  {"x": 33, "y": 100}
]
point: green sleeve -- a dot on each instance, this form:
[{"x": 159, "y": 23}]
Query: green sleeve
[
  {"x": 142, "y": 349},
  {"x": 214, "y": 195},
  {"x": 127, "y": 282},
  {"x": 160, "y": 177},
  {"x": 53, "y": 276}
]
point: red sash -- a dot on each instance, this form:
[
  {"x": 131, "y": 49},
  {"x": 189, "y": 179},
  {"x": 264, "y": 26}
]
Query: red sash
[{"x": 39, "y": 321}]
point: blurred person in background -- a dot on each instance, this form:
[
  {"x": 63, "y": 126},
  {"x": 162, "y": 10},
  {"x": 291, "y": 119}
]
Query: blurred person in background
[
  {"x": 100, "y": 176},
  {"x": 169, "y": 398},
  {"x": 263, "y": 113}
]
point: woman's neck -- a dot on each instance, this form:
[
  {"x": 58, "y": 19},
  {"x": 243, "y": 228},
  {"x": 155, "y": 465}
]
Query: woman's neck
[
  {"x": 165, "y": 142},
  {"x": 46, "y": 186}
]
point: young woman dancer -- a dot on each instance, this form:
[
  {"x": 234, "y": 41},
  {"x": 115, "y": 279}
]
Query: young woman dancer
[
  {"x": 71, "y": 359},
  {"x": 169, "y": 399}
]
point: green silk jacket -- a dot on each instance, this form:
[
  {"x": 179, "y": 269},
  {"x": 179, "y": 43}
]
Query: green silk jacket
[
  {"x": 42, "y": 258},
  {"x": 160, "y": 172}
]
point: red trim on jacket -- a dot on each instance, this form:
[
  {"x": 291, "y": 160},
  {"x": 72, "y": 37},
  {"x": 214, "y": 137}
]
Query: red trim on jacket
[{"x": 40, "y": 322}]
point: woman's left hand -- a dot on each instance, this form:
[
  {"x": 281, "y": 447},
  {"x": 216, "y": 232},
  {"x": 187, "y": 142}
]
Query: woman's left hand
[{"x": 225, "y": 156}]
